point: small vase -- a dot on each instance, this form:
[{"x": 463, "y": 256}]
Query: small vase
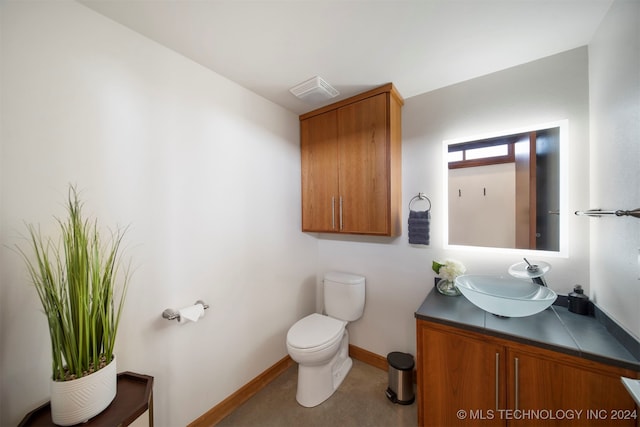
[
  {"x": 447, "y": 287},
  {"x": 76, "y": 401}
]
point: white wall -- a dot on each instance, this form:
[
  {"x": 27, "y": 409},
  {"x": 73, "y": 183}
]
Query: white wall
[
  {"x": 614, "y": 80},
  {"x": 206, "y": 173},
  {"x": 399, "y": 275}
]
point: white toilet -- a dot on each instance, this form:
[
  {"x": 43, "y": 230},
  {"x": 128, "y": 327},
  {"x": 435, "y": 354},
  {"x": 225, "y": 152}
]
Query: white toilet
[{"x": 320, "y": 343}]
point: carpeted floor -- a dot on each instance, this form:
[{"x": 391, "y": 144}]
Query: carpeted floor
[{"x": 360, "y": 401}]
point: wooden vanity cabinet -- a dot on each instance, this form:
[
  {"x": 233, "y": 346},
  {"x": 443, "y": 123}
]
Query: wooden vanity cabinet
[
  {"x": 351, "y": 165},
  {"x": 465, "y": 378},
  {"x": 458, "y": 371},
  {"x": 545, "y": 380}
]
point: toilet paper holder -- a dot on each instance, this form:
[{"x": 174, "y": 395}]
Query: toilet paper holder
[{"x": 171, "y": 314}]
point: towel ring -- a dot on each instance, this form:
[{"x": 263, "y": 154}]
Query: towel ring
[{"x": 420, "y": 196}]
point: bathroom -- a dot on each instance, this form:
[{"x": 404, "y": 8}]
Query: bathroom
[{"x": 206, "y": 174}]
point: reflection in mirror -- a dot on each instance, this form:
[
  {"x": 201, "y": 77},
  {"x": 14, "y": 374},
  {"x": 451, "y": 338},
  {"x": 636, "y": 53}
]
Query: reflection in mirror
[{"x": 504, "y": 191}]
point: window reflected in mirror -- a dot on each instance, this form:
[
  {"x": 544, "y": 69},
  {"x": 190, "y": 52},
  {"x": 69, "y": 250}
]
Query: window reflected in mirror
[{"x": 504, "y": 191}]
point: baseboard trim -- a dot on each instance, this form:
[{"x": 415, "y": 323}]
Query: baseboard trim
[
  {"x": 368, "y": 357},
  {"x": 374, "y": 359},
  {"x": 228, "y": 405}
]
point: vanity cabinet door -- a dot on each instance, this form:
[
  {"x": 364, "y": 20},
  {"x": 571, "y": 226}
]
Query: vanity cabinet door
[
  {"x": 553, "y": 389},
  {"x": 460, "y": 378}
]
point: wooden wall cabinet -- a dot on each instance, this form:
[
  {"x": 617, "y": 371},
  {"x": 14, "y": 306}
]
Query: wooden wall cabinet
[
  {"x": 351, "y": 165},
  {"x": 466, "y": 379}
]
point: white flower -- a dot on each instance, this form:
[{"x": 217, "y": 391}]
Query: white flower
[{"x": 450, "y": 269}]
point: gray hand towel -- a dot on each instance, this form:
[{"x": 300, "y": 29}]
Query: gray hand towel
[{"x": 419, "y": 227}]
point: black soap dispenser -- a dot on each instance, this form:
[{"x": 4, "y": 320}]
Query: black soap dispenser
[{"x": 578, "y": 301}]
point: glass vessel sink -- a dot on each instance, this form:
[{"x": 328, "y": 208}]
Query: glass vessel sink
[{"x": 505, "y": 296}]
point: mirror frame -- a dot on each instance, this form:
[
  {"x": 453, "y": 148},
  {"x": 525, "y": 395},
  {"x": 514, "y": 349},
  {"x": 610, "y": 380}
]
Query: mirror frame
[{"x": 563, "y": 190}]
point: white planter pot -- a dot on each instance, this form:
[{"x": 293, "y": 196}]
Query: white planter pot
[{"x": 76, "y": 401}]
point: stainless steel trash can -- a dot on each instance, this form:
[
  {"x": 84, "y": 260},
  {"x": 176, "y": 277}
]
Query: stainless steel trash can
[{"x": 400, "y": 388}]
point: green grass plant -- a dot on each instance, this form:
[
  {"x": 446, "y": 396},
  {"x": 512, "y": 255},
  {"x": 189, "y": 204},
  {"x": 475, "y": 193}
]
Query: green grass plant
[{"x": 82, "y": 286}]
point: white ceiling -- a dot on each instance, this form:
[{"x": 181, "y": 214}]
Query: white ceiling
[{"x": 420, "y": 45}]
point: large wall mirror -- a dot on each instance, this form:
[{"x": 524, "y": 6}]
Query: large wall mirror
[{"x": 507, "y": 190}]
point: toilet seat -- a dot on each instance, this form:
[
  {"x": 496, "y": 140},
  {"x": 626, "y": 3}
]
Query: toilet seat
[{"x": 315, "y": 332}]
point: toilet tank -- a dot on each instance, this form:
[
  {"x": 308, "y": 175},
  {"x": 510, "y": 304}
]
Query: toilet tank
[{"x": 344, "y": 295}]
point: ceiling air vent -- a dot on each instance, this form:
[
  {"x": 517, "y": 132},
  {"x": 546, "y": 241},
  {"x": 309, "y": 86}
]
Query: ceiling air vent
[{"x": 314, "y": 90}]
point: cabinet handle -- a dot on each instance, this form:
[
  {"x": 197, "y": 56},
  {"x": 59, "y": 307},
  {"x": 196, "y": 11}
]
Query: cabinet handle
[
  {"x": 340, "y": 213},
  {"x": 517, "y": 385},
  {"x": 497, "y": 381},
  {"x": 333, "y": 213}
]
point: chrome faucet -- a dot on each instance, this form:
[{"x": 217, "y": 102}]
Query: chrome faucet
[{"x": 536, "y": 274}]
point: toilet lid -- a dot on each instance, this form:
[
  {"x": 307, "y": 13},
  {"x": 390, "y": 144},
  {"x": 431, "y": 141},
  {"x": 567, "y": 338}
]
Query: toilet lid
[{"x": 314, "y": 331}]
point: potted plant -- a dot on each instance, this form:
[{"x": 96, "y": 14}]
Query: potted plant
[{"x": 82, "y": 288}]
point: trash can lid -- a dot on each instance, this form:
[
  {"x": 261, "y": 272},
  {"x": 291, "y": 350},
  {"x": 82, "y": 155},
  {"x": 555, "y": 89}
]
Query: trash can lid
[{"x": 401, "y": 361}]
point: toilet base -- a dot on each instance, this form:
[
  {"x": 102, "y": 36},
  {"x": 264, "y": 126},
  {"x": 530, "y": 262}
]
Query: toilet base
[{"x": 317, "y": 383}]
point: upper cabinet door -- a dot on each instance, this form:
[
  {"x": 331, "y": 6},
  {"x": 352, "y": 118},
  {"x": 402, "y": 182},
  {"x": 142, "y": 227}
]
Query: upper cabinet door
[
  {"x": 319, "y": 157},
  {"x": 364, "y": 166}
]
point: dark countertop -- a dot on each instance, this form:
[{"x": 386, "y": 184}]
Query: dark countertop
[{"x": 556, "y": 328}]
